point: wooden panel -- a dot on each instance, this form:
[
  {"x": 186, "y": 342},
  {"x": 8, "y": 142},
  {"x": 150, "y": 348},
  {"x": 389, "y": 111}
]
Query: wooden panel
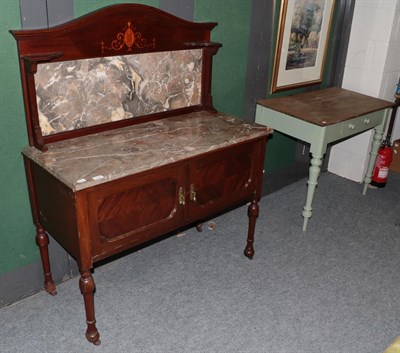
[
  {"x": 222, "y": 179},
  {"x": 135, "y": 209},
  {"x": 114, "y": 30},
  {"x": 326, "y": 107}
]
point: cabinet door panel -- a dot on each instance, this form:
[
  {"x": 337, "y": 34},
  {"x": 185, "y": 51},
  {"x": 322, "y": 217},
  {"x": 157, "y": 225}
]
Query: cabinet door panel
[
  {"x": 135, "y": 210},
  {"x": 222, "y": 179}
]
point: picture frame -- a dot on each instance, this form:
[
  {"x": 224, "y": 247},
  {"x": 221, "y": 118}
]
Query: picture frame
[{"x": 302, "y": 43}]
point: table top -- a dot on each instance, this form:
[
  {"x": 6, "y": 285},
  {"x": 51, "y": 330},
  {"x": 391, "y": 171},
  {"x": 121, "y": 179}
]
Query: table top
[
  {"x": 327, "y": 106},
  {"x": 89, "y": 160}
]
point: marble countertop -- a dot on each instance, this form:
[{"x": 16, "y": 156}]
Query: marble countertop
[{"x": 89, "y": 160}]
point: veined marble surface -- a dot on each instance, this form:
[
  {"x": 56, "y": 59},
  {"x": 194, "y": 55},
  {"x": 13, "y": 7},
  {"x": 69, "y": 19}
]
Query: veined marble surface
[
  {"x": 94, "y": 159},
  {"x": 81, "y": 93}
]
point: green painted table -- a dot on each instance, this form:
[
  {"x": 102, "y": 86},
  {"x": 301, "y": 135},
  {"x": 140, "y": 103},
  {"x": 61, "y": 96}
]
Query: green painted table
[{"x": 322, "y": 117}]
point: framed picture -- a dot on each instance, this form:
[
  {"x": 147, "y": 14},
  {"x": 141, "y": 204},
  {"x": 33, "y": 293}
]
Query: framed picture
[{"x": 302, "y": 43}]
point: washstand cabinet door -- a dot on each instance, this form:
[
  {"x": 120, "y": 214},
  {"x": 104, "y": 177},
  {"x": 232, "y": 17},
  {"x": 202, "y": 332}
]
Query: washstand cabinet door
[
  {"x": 222, "y": 179},
  {"x": 135, "y": 209}
]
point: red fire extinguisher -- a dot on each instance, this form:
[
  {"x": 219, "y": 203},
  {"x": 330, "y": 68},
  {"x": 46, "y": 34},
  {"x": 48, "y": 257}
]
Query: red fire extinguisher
[
  {"x": 385, "y": 152},
  {"x": 382, "y": 164}
]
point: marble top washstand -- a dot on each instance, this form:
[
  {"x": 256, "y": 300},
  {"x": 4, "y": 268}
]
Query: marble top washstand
[
  {"x": 125, "y": 143},
  {"x": 89, "y": 160}
]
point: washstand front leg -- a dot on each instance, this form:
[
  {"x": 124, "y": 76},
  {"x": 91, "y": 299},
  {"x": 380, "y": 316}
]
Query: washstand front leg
[
  {"x": 87, "y": 287},
  {"x": 42, "y": 241},
  {"x": 252, "y": 212}
]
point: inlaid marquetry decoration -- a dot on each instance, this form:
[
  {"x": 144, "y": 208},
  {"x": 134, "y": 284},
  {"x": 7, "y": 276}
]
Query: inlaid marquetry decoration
[{"x": 129, "y": 38}]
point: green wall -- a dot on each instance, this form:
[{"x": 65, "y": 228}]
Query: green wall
[
  {"x": 230, "y": 63},
  {"x": 16, "y": 229}
]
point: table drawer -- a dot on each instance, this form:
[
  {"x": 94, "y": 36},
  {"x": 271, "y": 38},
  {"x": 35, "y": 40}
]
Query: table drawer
[{"x": 360, "y": 124}]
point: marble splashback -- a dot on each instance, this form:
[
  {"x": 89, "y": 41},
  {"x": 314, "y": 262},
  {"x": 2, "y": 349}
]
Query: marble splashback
[
  {"x": 89, "y": 160},
  {"x": 88, "y": 92}
]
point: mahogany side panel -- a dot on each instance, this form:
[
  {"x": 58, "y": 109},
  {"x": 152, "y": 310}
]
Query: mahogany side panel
[
  {"x": 57, "y": 210},
  {"x": 42, "y": 239},
  {"x": 208, "y": 53}
]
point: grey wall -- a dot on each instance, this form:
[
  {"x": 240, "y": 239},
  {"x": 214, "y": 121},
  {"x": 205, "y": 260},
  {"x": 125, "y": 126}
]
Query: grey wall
[
  {"x": 27, "y": 280},
  {"x": 181, "y": 8},
  {"x": 259, "y": 54},
  {"x": 45, "y": 13}
]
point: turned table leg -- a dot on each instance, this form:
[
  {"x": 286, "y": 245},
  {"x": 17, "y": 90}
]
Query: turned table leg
[
  {"x": 87, "y": 287},
  {"x": 252, "y": 212},
  {"x": 315, "y": 168},
  {"x": 42, "y": 240}
]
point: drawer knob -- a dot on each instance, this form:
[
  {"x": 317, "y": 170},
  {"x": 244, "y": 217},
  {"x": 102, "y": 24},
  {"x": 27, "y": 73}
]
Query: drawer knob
[
  {"x": 366, "y": 121},
  {"x": 352, "y": 126}
]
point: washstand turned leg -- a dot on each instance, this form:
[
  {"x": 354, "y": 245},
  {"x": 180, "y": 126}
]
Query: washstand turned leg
[
  {"x": 252, "y": 212},
  {"x": 87, "y": 287},
  {"x": 42, "y": 240}
]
